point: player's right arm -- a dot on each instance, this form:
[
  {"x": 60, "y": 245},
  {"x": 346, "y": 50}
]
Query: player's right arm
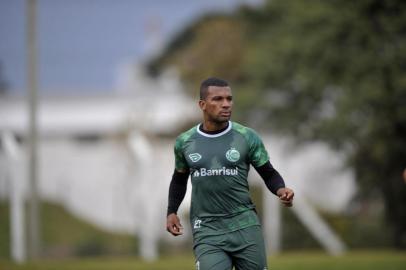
[{"x": 177, "y": 190}]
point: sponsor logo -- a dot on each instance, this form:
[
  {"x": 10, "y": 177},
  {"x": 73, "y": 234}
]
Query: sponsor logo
[
  {"x": 211, "y": 172},
  {"x": 233, "y": 155},
  {"x": 195, "y": 157}
]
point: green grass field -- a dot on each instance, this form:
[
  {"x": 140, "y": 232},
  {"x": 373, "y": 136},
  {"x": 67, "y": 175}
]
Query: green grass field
[{"x": 360, "y": 260}]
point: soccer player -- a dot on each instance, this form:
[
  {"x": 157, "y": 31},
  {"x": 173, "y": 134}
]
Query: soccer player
[{"x": 217, "y": 155}]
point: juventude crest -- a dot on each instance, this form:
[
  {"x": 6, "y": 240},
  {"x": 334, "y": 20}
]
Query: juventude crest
[{"x": 233, "y": 155}]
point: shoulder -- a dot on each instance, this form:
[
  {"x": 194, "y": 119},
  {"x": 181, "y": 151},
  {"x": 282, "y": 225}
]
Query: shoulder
[
  {"x": 183, "y": 137},
  {"x": 248, "y": 133}
]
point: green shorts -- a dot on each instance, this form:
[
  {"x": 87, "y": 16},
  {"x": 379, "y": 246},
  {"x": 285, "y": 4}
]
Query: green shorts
[{"x": 244, "y": 249}]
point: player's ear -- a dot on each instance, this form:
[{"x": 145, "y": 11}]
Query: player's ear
[{"x": 202, "y": 104}]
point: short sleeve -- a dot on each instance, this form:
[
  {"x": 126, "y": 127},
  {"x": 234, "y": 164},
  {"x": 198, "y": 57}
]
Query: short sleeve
[
  {"x": 180, "y": 161},
  {"x": 257, "y": 154}
]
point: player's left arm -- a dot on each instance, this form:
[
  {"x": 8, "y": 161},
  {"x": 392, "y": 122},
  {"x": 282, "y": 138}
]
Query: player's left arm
[
  {"x": 275, "y": 183},
  {"x": 259, "y": 158}
]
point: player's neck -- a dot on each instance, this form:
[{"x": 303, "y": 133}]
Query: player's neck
[{"x": 212, "y": 127}]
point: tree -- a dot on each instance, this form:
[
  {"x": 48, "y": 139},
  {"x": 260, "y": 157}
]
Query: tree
[
  {"x": 335, "y": 72},
  {"x": 213, "y": 45}
]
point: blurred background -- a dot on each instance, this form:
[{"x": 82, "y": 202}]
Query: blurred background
[{"x": 94, "y": 93}]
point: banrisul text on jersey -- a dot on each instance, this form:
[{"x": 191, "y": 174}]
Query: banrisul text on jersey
[{"x": 210, "y": 172}]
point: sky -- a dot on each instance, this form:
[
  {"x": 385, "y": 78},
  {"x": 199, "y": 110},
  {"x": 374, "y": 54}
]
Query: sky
[{"x": 83, "y": 43}]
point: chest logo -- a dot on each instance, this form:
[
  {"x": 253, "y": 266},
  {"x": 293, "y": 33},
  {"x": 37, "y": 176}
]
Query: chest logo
[
  {"x": 233, "y": 155},
  {"x": 195, "y": 157}
]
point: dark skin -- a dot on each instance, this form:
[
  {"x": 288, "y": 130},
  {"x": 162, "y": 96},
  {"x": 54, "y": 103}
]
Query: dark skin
[{"x": 217, "y": 109}]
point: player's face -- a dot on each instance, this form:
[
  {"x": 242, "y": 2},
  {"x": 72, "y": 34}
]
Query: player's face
[{"x": 218, "y": 104}]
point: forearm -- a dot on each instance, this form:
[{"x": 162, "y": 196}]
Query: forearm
[
  {"x": 177, "y": 190},
  {"x": 273, "y": 180}
]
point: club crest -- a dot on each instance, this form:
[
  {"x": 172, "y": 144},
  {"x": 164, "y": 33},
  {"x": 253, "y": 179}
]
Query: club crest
[{"x": 233, "y": 155}]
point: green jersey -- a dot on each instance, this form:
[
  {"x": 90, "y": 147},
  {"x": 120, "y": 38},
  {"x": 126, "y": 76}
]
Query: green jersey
[{"x": 219, "y": 166}]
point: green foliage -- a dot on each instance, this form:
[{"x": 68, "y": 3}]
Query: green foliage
[
  {"x": 63, "y": 235},
  {"x": 295, "y": 236},
  {"x": 334, "y": 71},
  {"x": 337, "y": 64},
  {"x": 363, "y": 230},
  {"x": 212, "y": 46},
  {"x": 4, "y": 230},
  {"x": 62, "y": 231}
]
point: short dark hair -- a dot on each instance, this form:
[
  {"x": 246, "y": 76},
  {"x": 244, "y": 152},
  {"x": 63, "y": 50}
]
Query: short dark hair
[{"x": 212, "y": 81}]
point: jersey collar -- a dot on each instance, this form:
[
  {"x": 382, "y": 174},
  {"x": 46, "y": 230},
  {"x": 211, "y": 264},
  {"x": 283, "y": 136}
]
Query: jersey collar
[{"x": 214, "y": 135}]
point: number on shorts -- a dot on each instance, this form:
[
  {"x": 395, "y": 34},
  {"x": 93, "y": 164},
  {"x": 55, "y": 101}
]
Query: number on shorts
[{"x": 197, "y": 224}]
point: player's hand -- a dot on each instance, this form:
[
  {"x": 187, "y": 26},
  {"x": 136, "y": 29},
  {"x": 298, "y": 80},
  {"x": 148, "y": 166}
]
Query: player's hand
[
  {"x": 286, "y": 196},
  {"x": 173, "y": 225}
]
